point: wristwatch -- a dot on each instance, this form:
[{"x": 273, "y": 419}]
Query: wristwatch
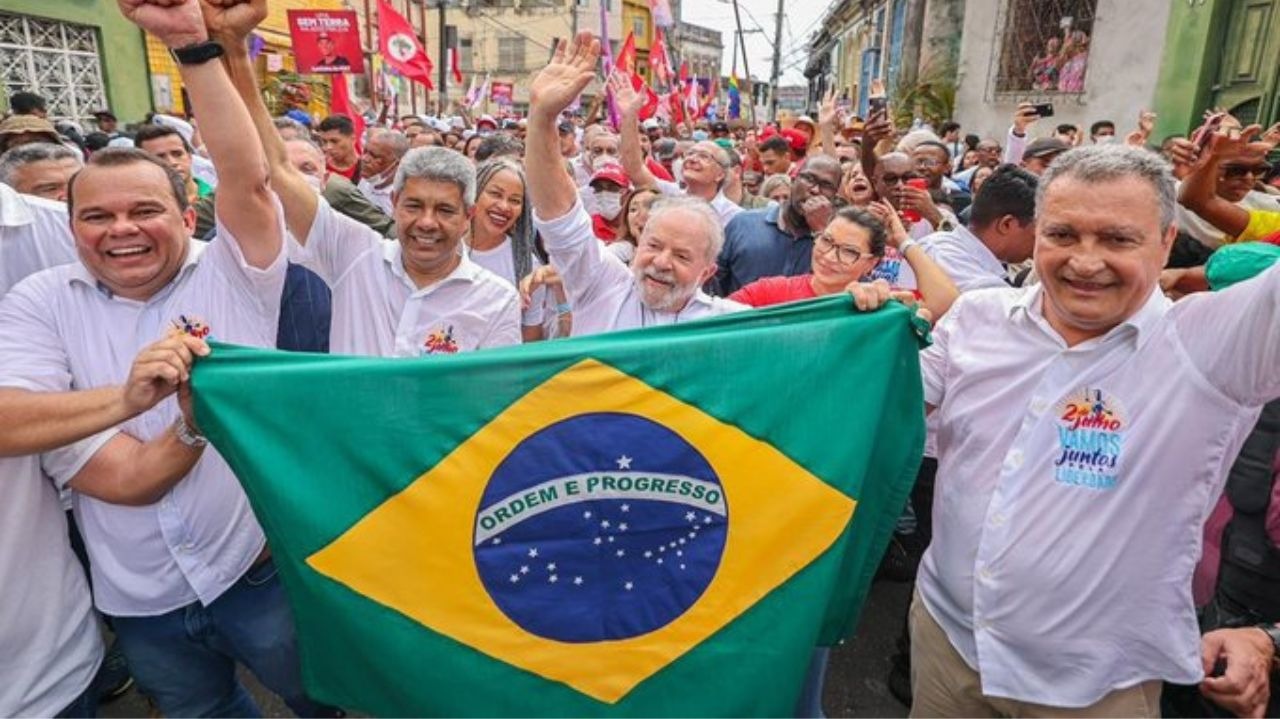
[
  {"x": 188, "y": 436},
  {"x": 199, "y": 53}
]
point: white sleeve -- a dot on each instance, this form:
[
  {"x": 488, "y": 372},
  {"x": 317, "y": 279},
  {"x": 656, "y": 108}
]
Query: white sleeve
[
  {"x": 934, "y": 361},
  {"x": 963, "y": 270},
  {"x": 1233, "y": 337},
  {"x": 64, "y": 463},
  {"x": 264, "y": 285},
  {"x": 33, "y": 355},
  {"x": 335, "y": 244},
  {"x": 667, "y": 187},
  {"x": 1014, "y": 146},
  {"x": 578, "y": 256}
]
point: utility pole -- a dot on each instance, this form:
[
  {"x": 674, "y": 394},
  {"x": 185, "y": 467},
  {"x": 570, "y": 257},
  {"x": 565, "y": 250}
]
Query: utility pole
[
  {"x": 741, "y": 40},
  {"x": 777, "y": 63},
  {"x": 442, "y": 62}
]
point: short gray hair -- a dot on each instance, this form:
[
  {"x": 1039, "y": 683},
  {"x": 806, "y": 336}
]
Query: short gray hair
[
  {"x": 395, "y": 139},
  {"x": 697, "y": 206},
  {"x": 21, "y": 155},
  {"x": 288, "y": 123},
  {"x": 772, "y": 182},
  {"x": 1105, "y": 163},
  {"x": 438, "y": 164}
]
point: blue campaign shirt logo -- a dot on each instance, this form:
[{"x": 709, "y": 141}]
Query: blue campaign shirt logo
[{"x": 600, "y": 527}]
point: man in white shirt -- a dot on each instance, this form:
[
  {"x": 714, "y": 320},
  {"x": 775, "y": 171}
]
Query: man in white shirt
[
  {"x": 34, "y": 235},
  {"x": 706, "y": 164},
  {"x": 181, "y": 565},
  {"x": 414, "y": 296},
  {"x": 1085, "y": 428},
  {"x": 383, "y": 150},
  {"x": 1001, "y": 231},
  {"x": 676, "y": 253}
]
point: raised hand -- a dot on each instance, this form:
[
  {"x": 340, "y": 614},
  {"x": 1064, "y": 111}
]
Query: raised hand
[
  {"x": 572, "y": 68},
  {"x": 1238, "y": 144},
  {"x": 159, "y": 369},
  {"x": 879, "y": 127},
  {"x": 176, "y": 23},
  {"x": 629, "y": 101},
  {"x": 889, "y": 217},
  {"x": 827, "y": 114},
  {"x": 1272, "y": 135},
  {"x": 231, "y": 21},
  {"x": 1024, "y": 117}
]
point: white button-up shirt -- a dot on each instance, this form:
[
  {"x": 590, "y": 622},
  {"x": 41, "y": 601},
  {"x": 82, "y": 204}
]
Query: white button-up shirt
[
  {"x": 601, "y": 288},
  {"x": 379, "y": 195},
  {"x": 967, "y": 261},
  {"x": 1073, "y": 483},
  {"x": 379, "y": 311},
  {"x": 34, "y": 235},
  {"x": 61, "y": 330}
]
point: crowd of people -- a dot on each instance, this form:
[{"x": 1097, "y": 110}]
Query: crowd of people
[{"x": 1091, "y": 532}]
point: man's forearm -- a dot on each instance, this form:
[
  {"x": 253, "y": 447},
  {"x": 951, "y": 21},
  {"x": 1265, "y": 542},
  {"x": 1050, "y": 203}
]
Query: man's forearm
[
  {"x": 34, "y": 422},
  {"x": 632, "y": 154},
  {"x": 130, "y": 472},
  {"x": 551, "y": 189},
  {"x": 1199, "y": 193}
]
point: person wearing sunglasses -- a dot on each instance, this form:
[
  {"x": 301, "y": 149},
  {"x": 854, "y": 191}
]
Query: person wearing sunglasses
[
  {"x": 1232, "y": 163},
  {"x": 845, "y": 253},
  {"x": 1235, "y": 183}
]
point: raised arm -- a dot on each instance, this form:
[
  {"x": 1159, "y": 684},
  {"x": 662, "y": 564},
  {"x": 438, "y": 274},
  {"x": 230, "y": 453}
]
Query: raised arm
[
  {"x": 1199, "y": 191},
  {"x": 551, "y": 188},
  {"x": 245, "y": 202},
  {"x": 828, "y": 120},
  {"x": 232, "y": 31},
  {"x": 937, "y": 291},
  {"x": 632, "y": 154}
]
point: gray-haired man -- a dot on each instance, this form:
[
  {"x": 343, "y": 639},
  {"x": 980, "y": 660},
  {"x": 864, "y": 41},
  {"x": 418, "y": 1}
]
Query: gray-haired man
[
  {"x": 412, "y": 296},
  {"x": 1084, "y": 430},
  {"x": 42, "y": 169}
]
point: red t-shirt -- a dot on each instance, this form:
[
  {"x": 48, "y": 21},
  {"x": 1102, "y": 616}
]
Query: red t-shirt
[
  {"x": 351, "y": 173},
  {"x": 775, "y": 290}
]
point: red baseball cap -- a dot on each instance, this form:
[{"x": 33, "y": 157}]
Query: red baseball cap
[
  {"x": 612, "y": 172},
  {"x": 799, "y": 143}
]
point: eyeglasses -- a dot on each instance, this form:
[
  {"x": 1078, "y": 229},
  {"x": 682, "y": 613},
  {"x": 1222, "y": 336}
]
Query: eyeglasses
[
  {"x": 928, "y": 162},
  {"x": 897, "y": 179},
  {"x": 1236, "y": 171},
  {"x": 844, "y": 255},
  {"x": 704, "y": 156},
  {"x": 822, "y": 184}
]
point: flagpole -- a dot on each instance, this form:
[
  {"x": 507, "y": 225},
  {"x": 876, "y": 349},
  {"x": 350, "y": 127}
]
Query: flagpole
[
  {"x": 746, "y": 66},
  {"x": 443, "y": 84},
  {"x": 413, "y": 90},
  {"x": 422, "y": 23}
]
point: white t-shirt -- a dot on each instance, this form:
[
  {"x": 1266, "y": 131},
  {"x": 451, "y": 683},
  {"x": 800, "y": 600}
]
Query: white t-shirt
[
  {"x": 380, "y": 196},
  {"x": 725, "y": 208},
  {"x": 602, "y": 290},
  {"x": 502, "y": 263},
  {"x": 967, "y": 261},
  {"x": 61, "y": 330},
  {"x": 34, "y": 235},
  {"x": 379, "y": 312}
]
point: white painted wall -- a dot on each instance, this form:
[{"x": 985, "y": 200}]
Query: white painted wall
[{"x": 1124, "y": 63}]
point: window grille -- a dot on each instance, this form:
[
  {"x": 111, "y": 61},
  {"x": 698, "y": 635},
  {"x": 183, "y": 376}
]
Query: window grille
[
  {"x": 511, "y": 54},
  {"x": 57, "y": 60},
  {"x": 1043, "y": 50}
]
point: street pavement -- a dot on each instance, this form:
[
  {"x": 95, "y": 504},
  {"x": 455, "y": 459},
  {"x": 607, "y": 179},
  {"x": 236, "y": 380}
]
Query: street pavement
[{"x": 855, "y": 677}]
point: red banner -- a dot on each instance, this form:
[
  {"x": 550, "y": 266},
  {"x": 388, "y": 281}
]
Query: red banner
[
  {"x": 326, "y": 41},
  {"x": 400, "y": 46}
]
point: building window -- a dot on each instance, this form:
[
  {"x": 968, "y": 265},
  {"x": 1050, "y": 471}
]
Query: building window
[
  {"x": 58, "y": 60},
  {"x": 640, "y": 28},
  {"x": 1044, "y": 46},
  {"x": 464, "y": 55},
  {"x": 511, "y": 54}
]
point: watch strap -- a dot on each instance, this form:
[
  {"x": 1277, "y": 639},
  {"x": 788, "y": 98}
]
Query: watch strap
[
  {"x": 188, "y": 436},
  {"x": 199, "y": 53}
]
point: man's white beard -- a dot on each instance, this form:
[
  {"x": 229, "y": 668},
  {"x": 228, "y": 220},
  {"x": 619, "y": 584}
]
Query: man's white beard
[{"x": 670, "y": 299}]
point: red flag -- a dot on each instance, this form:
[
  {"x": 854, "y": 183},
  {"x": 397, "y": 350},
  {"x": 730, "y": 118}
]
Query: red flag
[
  {"x": 676, "y": 102},
  {"x": 659, "y": 63},
  {"x": 340, "y": 104},
  {"x": 400, "y": 47},
  {"x": 455, "y": 65},
  {"x": 626, "y": 59},
  {"x": 684, "y": 72},
  {"x": 651, "y": 98}
]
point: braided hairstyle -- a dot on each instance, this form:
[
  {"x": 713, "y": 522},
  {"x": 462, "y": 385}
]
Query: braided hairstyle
[{"x": 522, "y": 232}]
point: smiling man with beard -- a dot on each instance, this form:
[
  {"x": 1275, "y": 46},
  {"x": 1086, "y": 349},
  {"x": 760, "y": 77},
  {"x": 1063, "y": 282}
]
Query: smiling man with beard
[
  {"x": 412, "y": 296},
  {"x": 675, "y": 254}
]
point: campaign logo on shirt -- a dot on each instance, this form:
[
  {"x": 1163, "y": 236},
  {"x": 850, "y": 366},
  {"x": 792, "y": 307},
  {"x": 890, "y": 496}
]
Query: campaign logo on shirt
[
  {"x": 1091, "y": 430},
  {"x": 192, "y": 325},
  {"x": 440, "y": 341}
]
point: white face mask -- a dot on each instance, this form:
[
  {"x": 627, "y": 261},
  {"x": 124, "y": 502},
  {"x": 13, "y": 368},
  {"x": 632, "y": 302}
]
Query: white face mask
[
  {"x": 609, "y": 204},
  {"x": 1106, "y": 139}
]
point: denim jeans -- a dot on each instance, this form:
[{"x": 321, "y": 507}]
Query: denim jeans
[
  {"x": 84, "y": 707},
  {"x": 185, "y": 660}
]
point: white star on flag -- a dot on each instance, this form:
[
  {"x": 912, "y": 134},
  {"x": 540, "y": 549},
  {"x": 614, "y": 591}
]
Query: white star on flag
[
  {"x": 604, "y": 523},
  {"x": 629, "y": 585},
  {"x": 626, "y": 508},
  {"x": 624, "y": 462},
  {"x": 620, "y": 552},
  {"x": 622, "y": 527},
  {"x": 597, "y": 541},
  {"x": 586, "y": 515},
  {"x": 551, "y": 567},
  {"x": 577, "y": 580},
  {"x": 533, "y": 552},
  {"x": 553, "y": 579},
  {"x": 515, "y": 578},
  {"x": 690, "y": 516},
  {"x": 524, "y": 569}
]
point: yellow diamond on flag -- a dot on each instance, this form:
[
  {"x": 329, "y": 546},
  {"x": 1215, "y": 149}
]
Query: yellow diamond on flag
[{"x": 592, "y": 533}]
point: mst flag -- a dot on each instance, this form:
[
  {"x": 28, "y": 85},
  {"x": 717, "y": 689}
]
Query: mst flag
[
  {"x": 400, "y": 46},
  {"x": 648, "y": 523}
]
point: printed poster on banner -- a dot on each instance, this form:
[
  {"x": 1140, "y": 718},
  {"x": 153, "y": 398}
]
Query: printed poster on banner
[
  {"x": 326, "y": 42},
  {"x": 502, "y": 93}
]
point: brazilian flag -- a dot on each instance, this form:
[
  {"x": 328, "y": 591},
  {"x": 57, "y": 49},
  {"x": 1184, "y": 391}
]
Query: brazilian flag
[{"x": 646, "y": 523}]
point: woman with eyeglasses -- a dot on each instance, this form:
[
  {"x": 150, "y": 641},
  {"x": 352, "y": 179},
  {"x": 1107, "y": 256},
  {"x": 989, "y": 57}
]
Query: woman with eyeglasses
[{"x": 846, "y": 252}]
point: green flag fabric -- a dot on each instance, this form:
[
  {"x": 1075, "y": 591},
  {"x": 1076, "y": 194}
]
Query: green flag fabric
[{"x": 654, "y": 522}]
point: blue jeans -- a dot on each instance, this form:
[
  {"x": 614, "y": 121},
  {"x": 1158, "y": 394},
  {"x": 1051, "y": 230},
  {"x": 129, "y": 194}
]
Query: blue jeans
[
  {"x": 84, "y": 707},
  {"x": 185, "y": 660}
]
